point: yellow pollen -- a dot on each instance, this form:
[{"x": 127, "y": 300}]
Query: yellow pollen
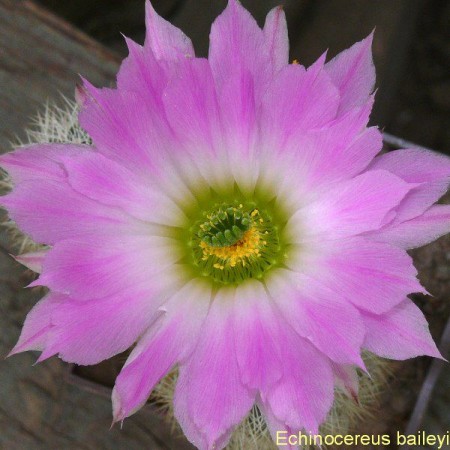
[{"x": 238, "y": 253}]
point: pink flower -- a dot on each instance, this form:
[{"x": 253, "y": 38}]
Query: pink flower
[{"x": 233, "y": 219}]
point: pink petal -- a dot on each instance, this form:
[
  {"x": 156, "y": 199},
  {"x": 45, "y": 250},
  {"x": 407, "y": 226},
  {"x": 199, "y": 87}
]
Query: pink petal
[
  {"x": 336, "y": 152},
  {"x": 304, "y": 395},
  {"x": 415, "y": 165},
  {"x": 298, "y": 100},
  {"x": 401, "y": 333},
  {"x": 91, "y": 331},
  {"x": 256, "y": 337},
  {"x": 317, "y": 314},
  {"x": 39, "y": 161},
  {"x": 238, "y": 44},
  {"x": 118, "y": 122},
  {"x": 432, "y": 224},
  {"x": 355, "y": 206},
  {"x": 373, "y": 276},
  {"x": 312, "y": 161},
  {"x": 238, "y": 114},
  {"x": 166, "y": 41},
  {"x": 240, "y": 124},
  {"x": 50, "y": 210},
  {"x": 37, "y": 325},
  {"x": 32, "y": 260},
  {"x": 431, "y": 170},
  {"x": 353, "y": 72},
  {"x": 276, "y": 37},
  {"x": 279, "y": 431},
  {"x": 210, "y": 400},
  {"x": 105, "y": 265},
  {"x": 192, "y": 108},
  {"x": 169, "y": 340},
  {"x": 346, "y": 146},
  {"x": 42, "y": 169},
  {"x": 141, "y": 72},
  {"x": 103, "y": 180}
]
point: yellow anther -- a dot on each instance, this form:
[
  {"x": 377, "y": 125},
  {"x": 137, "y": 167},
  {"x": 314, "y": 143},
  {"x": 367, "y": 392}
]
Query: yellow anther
[{"x": 238, "y": 253}]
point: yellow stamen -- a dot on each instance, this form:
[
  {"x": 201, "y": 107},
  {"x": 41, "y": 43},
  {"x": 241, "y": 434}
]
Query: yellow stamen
[{"x": 238, "y": 253}]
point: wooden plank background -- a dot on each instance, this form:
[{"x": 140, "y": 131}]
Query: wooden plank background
[{"x": 40, "y": 59}]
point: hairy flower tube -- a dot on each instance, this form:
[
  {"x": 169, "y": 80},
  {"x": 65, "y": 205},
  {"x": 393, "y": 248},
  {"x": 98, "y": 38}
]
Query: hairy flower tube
[{"x": 232, "y": 219}]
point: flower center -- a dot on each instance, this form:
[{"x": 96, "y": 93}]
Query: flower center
[{"x": 235, "y": 242}]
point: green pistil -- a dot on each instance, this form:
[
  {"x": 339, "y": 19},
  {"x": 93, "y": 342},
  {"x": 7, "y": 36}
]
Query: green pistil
[{"x": 225, "y": 227}]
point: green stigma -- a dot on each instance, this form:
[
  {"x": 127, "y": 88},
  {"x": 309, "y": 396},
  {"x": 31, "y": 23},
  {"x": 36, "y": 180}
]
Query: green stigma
[{"x": 225, "y": 227}]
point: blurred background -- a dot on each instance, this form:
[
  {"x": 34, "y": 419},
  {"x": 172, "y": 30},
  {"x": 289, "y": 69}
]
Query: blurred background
[{"x": 45, "y": 44}]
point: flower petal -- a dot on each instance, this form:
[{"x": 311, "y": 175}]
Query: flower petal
[
  {"x": 106, "y": 265},
  {"x": 373, "y": 276},
  {"x": 401, "y": 333},
  {"x": 279, "y": 431},
  {"x": 304, "y": 395},
  {"x": 256, "y": 337},
  {"x": 106, "y": 181},
  {"x": 37, "y": 325},
  {"x": 88, "y": 332},
  {"x": 311, "y": 161},
  {"x": 353, "y": 207},
  {"x": 431, "y": 170},
  {"x": 210, "y": 399},
  {"x": 337, "y": 152},
  {"x": 170, "y": 339},
  {"x": 39, "y": 161},
  {"x": 50, "y": 210},
  {"x": 192, "y": 108},
  {"x": 237, "y": 44},
  {"x": 298, "y": 99},
  {"x": 353, "y": 72},
  {"x": 432, "y": 224},
  {"x": 238, "y": 114},
  {"x": 32, "y": 260},
  {"x": 276, "y": 37},
  {"x": 43, "y": 203},
  {"x": 341, "y": 150},
  {"x": 317, "y": 314},
  {"x": 240, "y": 128},
  {"x": 118, "y": 123},
  {"x": 167, "y": 42},
  {"x": 141, "y": 72}
]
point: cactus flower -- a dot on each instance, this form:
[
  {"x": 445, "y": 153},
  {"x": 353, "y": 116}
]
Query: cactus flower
[{"x": 233, "y": 219}]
